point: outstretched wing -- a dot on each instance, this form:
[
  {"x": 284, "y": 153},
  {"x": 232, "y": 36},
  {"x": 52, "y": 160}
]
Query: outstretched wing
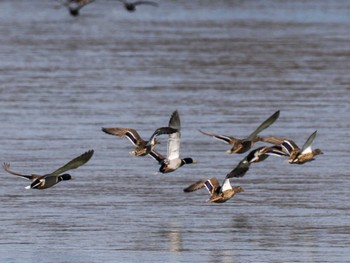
[
  {"x": 273, "y": 139},
  {"x": 276, "y": 150},
  {"x": 75, "y": 163},
  {"x": 160, "y": 131},
  {"x": 156, "y": 156},
  {"x": 224, "y": 138},
  {"x": 32, "y": 177},
  {"x": 307, "y": 145},
  {"x": 264, "y": 125},
  {"x": 240, "y": 170},
  {"x": 129, "y": 133},
  {"x": 195, "y": 186},
  {"x": 145, "y": 3},
  {"x": 174, "y": 138}
]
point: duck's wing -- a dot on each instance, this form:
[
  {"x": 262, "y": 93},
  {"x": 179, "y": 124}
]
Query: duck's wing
[
  {"x": 307, "y": 145},
  {"x": 240, "y": 170},
  {"x": 264, "y": 125},
  {"x": 174, "y": 138},
  {"x": 195, "y": 186},
  {"x": 226, "y": 185},
  {"x": 129, "y": 133},
  {"x": 212, "y": 185},
  {"x": 82, "y": 3},
  {"x": 160, "y": 131},
  {"x": 286, "y": 145},
  {"x": 75, "y": 163},
  {"x": 6, "y": 167},
  {"x": 173, "y": 146},
  {"x": 156, "y": 156},
  {"x": 224, "y": 138},
  {"x": 174, "y": 121},
  {"x": 289, "y": 147},
  {"x": 272, "y": 139},
  {"x": 76, "y": 4},
  {"x": 145, "y": 3},
  {"x": 275, "y": 150}
]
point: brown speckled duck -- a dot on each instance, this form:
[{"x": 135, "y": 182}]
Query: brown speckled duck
[
  {"x": 142, "y": 148},
  {"x": 51, "y": 179},
  {"x": 243, "y": 145},
  {"x": 292, "y": 150},
  {"x": 218, "y": 193}
]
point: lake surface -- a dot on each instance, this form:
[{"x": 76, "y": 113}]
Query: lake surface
[{"x": 225, "y": 66}]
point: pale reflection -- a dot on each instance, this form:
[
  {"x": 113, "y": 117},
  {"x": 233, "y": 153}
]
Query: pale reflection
[{"x": 174, "y": 238}]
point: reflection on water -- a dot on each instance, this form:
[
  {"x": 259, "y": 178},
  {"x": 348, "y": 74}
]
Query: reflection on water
[{"x": 225, "y": 66}]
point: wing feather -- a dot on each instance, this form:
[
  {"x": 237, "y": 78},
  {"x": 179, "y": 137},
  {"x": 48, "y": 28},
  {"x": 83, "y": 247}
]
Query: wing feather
[
  {"x": 75, "y": 163},
  {"x": 264, "y": 125}
]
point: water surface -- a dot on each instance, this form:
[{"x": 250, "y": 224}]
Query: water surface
[{"x": 226, "y": 66}]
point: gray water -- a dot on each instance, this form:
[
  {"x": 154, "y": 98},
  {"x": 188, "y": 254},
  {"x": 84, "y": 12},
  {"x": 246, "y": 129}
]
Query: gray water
[{"x": 225, "y": 66}]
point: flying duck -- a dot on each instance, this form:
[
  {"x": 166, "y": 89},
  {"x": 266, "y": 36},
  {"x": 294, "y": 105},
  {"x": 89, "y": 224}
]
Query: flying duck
[
  {"x": 142, "y": 148},
  {"x": 243, "y": 145},
  {"x": 218, "y": 193},
  {"x": 74, "y": 6},
  {"x": 292, "y": 150},
  {"x": 254, "y": 156},
  {"x": 49, "y": 180},
  {"x": 131, "y": 6},
  {"x": 173, "y": 161}
]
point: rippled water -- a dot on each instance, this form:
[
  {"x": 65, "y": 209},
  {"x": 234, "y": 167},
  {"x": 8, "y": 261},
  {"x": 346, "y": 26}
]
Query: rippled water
[{"x": 226, "y": 66}]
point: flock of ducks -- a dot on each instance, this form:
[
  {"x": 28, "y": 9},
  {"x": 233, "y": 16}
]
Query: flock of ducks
[
  {"x": 219, "y": 193},
  {"x": 74, "y": 6}
]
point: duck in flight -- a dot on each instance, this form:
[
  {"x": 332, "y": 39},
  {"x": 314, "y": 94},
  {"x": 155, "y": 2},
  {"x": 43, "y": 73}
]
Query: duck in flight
[
  {"x": 142, "y": 147},
  {"x": 74, "y": 6},
  {"x": 254, "y": 156},
  {"x": 245, "y": 144},
  {"x": 172, "y": 161},
  {"x": 218, "y": 193},
  {"x": 131, "y": 6},
  {"x": 51, "y": 179},
  {"x": 296, "y": 154}
]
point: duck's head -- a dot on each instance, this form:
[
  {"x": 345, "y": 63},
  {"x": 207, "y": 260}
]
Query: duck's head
[
  {"x": 187, "y": 161},
  {"x": 238, "y": 189},
  {"x": 74, "y": 11},
  {"x": 65, "y": 177},
  {"x": 317, "y": 151},
  {"x": 130, "y": 7}
]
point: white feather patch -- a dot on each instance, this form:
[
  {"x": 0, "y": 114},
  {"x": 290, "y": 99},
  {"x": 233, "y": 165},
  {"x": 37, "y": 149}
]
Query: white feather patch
[{"x": 227, "y": 185}]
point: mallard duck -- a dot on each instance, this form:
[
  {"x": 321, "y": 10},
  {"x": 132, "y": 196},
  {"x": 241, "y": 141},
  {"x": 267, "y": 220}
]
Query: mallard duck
[
  {"x": 142, "y": 148},
  {"x": 49, "y": 180},
  {"x": 74, "y": 6},
  {"x": 256, "y": 155},
  {"x": 218, "y": 193},
  {"x": 292, "y": 150},
  {"x": 243, "y": 145},
  {"x": 173, "y": 161},
  {"x": 131, "y": 6}
]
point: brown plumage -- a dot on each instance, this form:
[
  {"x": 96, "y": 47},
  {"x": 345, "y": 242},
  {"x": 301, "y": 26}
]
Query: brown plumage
[
  {"x": 218, "y": 193},
  {"x": 296, "y": 154},
  {"x": 142, "y": 147}
]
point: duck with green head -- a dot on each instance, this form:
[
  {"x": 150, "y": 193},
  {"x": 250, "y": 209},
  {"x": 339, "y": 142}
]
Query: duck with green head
[{"x": 51, "y": 179}]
